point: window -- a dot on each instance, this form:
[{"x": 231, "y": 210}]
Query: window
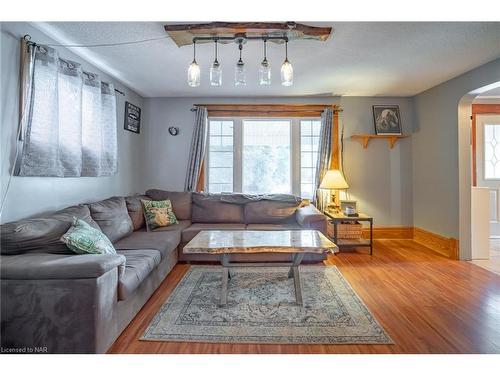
[
  {"x": 309, "y": 141},
  {"x": 491, "y": 151},
  {"x": 258, "y": 156},
  {"x": 220, "y": 156},
  {"x": 266, "y": 156}
]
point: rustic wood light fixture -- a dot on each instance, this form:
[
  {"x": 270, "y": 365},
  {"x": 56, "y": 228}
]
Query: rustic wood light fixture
[
  {"x": 227, "y": 32},
  {"x": 240, "y": 33}
]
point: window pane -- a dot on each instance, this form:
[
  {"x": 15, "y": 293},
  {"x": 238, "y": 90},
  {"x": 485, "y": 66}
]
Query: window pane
[
  {"x": 221, "y": 159},
  {"x": 227, "y": 128},
  {"x": 305, "y": 143},
  {"x": 491, "y": 151},
  {"x": 221, "y": 175},
  {"x": 316, "y": 128},
  {"x": 309, "y": 142},
  {"x": 220, "y": 156},
  {"x": 266, "y": 156}
]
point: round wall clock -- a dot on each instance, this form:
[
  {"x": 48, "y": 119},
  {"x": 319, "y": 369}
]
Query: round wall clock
[{"x": 173, "y": 130}]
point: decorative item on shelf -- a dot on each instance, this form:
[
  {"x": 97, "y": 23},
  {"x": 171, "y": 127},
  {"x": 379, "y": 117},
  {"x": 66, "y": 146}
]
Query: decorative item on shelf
[
  {"x": 333, "y": 180},
  {"x": 132, "y": 118},
  {"x": 387, "y": 120},
  {"x": 348, "y": 208},
  {"x": 173, "y": 130}
]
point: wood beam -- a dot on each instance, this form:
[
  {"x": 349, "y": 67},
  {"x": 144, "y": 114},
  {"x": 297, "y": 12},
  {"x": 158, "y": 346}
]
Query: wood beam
[{"x": 267, "y": 110}]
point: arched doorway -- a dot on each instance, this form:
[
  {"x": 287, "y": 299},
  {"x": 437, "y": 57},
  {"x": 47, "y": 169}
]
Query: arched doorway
[{"x": 465, "y": 166}]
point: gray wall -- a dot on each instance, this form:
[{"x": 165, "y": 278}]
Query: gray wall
[
  {"x": 27, "y": 195},
  {"x": 436, "y": 153},
  {"x": 380, "y": 178}
]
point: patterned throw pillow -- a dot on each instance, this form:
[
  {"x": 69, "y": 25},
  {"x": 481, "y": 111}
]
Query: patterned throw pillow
[
  {"x": 84, "y": 239},
  {"x": 158, "y": 214}
]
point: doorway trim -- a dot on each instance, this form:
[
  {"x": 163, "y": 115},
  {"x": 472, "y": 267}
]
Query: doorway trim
[{"x": 465, "y": 168}]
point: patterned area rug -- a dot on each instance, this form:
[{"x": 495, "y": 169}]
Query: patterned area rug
[{"x": 261, "y": 309}]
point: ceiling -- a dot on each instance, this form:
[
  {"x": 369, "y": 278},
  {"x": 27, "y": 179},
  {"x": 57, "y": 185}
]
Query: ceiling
[
  {"x": 359, "y": 59},
  {"x": 493, "y": 93}
]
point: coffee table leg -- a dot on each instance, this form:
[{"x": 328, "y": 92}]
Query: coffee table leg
[
  {"x": 296, "y": 282},
  {"x": 223, "y": 293},
  {"x": 296, "y": 278}
]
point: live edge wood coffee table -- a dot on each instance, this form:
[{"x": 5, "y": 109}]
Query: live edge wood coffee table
[{"x": 294, "y": 242}]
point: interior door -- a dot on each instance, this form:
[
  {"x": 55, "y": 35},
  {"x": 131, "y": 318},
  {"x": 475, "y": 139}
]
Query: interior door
[{"x": 488, "y": 164}]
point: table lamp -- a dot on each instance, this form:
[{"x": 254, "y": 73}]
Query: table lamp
[{"x": 333, "y": 180}]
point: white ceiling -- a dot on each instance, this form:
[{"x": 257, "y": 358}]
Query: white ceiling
[
  {"x": 360, "y": 59},
  {"x": 493, "y": 93}
]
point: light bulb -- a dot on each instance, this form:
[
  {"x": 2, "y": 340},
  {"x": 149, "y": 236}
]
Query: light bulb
[
  {"x": 194, "y": 74},
  {"x": 216, "y": 74},
  {"x": 287, "y": 73},
  {"x": 239, "y": 74},
  {"x": 264, "y": 73}
]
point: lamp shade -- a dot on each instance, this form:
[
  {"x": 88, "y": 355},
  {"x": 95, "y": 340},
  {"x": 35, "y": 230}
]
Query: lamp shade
[{"x": 334, "y": 179}]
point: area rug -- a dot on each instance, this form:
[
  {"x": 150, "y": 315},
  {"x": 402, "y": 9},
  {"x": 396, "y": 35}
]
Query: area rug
[{"x": 261, "y": 309}]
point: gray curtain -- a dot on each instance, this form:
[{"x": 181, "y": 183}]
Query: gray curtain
[
  {"x": 69, "y": 124},
  {"x": 198, "y": 145},
  {"x": 324, "y": 157}
]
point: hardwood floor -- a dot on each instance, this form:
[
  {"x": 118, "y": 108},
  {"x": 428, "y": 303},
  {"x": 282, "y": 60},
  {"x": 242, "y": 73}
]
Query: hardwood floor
[{"x": 427, "y": 304}]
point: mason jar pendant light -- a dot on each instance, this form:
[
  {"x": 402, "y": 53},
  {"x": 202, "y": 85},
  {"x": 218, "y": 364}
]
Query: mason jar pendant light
[
  {"x": 286, "y": 69},
  {"x": 265, "y": 69},
  {"x": 239, "y": 70},
  {"x": 216, "y": 70},
  {"x": 194, "y": 70}
]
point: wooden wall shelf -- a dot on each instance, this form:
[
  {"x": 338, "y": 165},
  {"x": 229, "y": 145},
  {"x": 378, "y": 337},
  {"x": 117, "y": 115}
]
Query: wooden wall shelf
[{"x": 365, "y": 138}]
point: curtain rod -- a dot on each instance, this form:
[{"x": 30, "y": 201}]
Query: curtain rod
[
  {"x": 334, "y": 107},
  {"x": 27, "y": 39}
]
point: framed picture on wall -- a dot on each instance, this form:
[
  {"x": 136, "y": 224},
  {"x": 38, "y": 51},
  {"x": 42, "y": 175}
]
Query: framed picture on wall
[
  {"x": 387, "y": 119},
  {"x": 132, "y": 118}
]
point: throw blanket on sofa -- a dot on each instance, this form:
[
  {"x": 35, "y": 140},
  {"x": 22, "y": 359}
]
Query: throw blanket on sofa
[{"x": 246, "y": 198}]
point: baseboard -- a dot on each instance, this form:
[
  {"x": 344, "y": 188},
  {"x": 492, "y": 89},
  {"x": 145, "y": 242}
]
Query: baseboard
[
  {"x": 389, "y": 233},
  {"x": 447, "y": 247}
]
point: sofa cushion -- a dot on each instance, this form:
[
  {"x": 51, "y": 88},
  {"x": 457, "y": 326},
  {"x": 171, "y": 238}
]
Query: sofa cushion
[
  {"x": 138, "y": 265},
  {"x": 163, "y": 241},
  {"x": 189, "y": 233},
  {"x": 135, "y": 210},
  {"x": 39, "y": 266},
  {"x": 42, "y": 234},
  {"x": 208, "y": 208},
  {"x": 83, "y": 239},
  {"x": 183, "y": 224},
  {"x": 181, "y": 201},
  {"x": 270, "y": 212},
  {"x": 112, "y": 216},
  {"x": 291, "y": 226},
  {"x": 158, "y": 214}
]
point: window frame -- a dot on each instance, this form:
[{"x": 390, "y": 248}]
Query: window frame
[{"x": 295, "y": 149}]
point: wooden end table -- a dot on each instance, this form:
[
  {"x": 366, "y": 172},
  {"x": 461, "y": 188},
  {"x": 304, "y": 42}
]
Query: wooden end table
[
  {"x": 226, "y": 242},
  {"x": 336, "y": 218}
]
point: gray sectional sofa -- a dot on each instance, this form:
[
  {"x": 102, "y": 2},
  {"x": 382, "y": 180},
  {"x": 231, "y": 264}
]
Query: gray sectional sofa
[{"x": 68, "y": 303}]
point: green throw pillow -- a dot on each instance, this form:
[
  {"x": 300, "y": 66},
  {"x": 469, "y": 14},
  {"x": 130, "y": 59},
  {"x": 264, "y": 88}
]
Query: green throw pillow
[
  {"x": 158, "y": 214},
  {"x": 84, "y": 239}
]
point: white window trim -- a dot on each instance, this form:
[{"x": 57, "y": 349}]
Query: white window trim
[{"x": 295, "y": 152}]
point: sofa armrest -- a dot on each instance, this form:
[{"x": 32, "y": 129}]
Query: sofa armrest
[
  {"x": 311, "y": 218},
  {"x": 40, "y": 266}
]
